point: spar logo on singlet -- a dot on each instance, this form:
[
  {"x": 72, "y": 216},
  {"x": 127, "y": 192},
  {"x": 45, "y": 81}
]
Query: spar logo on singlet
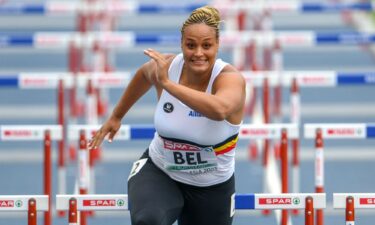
[{"x": 171, "y": 145}]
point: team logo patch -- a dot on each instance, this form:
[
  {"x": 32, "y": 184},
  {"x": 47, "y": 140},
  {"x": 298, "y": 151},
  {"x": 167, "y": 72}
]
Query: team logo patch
[{"x": 168, "y": 107}]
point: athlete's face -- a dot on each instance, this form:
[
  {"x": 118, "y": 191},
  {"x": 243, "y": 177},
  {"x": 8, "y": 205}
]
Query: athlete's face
[{"x": 200, "y": 47}]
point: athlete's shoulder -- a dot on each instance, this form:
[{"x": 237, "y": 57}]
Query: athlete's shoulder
[{"x": 231, "y": 70}]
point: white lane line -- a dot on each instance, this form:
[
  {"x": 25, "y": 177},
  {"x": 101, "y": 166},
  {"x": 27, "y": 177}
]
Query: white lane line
[{"x": 128, "y": 155}]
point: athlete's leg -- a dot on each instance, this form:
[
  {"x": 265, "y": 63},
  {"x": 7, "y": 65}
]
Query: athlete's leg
[
  {"x": 208, "y": 205},
  {"x": 154, "y": 198}
]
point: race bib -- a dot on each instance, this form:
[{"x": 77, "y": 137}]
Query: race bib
[
  {"x": 184, "y": 157},
  {"x": 137, "y": 166}
]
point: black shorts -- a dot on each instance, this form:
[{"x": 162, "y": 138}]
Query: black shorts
[{"x": 156, "y": 199}]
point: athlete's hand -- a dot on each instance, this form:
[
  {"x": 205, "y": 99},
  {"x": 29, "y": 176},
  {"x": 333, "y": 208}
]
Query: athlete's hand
[
  {"x": 161, "y": 63},
  {"x": 111, "y": 126}
]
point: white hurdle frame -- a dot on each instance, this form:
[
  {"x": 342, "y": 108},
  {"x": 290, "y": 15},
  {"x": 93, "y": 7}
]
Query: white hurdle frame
[
  {"x": 25, "y": 203},
  {"x": 109, "y": 202},
  {"x": 352, "y": 201}
]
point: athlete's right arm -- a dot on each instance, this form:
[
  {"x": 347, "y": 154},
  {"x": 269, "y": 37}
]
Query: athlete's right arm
[{"x": 137, "y": 87}]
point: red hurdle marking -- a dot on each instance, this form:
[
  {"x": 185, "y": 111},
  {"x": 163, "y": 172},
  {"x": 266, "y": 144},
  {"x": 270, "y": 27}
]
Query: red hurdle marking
[
  {"x": 284, "y": 172},
  {"x": 319, "y": 171},
  {"x": 25, "y": 203},
  {"x": 309, "y": 211},
  {"x": 61, "y": 143},
  {"x": 349, "y": 211},
  {"x": 31, "y": 213},
  {"x": 73, "y": 213},
  {"x": 47, "y": 175}
]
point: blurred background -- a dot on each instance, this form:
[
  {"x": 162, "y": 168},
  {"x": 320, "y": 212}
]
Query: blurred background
[{"x": 318, "y": 41}]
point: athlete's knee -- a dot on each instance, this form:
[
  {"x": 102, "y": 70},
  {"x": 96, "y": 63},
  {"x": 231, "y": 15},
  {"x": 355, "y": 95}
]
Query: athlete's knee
[{"x": 147, "y": 217}]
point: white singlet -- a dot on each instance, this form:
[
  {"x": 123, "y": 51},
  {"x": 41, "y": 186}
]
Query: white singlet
[{"x": 189, "y": 147}]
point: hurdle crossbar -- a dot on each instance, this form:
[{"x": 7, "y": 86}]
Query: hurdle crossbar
[
  {"x": 242, "y": 201},
  {"x": 59, "y": 8},
  {"x": 309, "y": 78},
  {"x": 126, "y": 132},
  {"x": 279, "y": 201},
  {"x": 228, "y": 39},
  {"x": 340, "y": 130},
  {"x": 120, "y": 79},
  {"x": 307, "y": 201},
  {"x": 20, "y": 202},
  {"x": 268, "y": 131},
  {"x": 97, "y": 202},
  {"x": 29, "y": 132},
  {"x": 51, "y": 80},
  {"x": 361, "y": 200},
  {"x": 133, "y": 132}
]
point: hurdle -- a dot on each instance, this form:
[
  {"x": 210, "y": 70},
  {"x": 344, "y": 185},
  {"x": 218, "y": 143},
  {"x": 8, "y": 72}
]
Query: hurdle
[
  {"x": 332, "y": 131},
  {"x": 352, "y": 201},
  {"x": 119, "y": 79},
  {"x": 60, "y": 82},
  {"x": 107, "y": 202},
  {"x": 126, "y": 39},
  {"x": 59, "y": 8},
  {"x": 45, "y": 133},
  {"x": 305, "y": 79},
  {"x": 25, "y": 203}
]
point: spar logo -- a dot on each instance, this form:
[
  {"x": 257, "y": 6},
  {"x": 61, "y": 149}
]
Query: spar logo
[
  {"x": 104, "y": 203},
  {"x": 257, "y": 132},
  {"x": 10, "y": 203},
  {"x": 97, "y": 203},
  {"x": 344, "y": 131},
  {"x": 314, "y": 80},
  {"x": 35, "y": 81},
  {"x": 279, "y": 201},
  {"x": 367, "y": 201},
  {"x": 294, "y": 39},
  {"x": 20, "y": 133}
]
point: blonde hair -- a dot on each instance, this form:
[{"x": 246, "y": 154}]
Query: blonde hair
[{"x": 205, "y": 14}]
